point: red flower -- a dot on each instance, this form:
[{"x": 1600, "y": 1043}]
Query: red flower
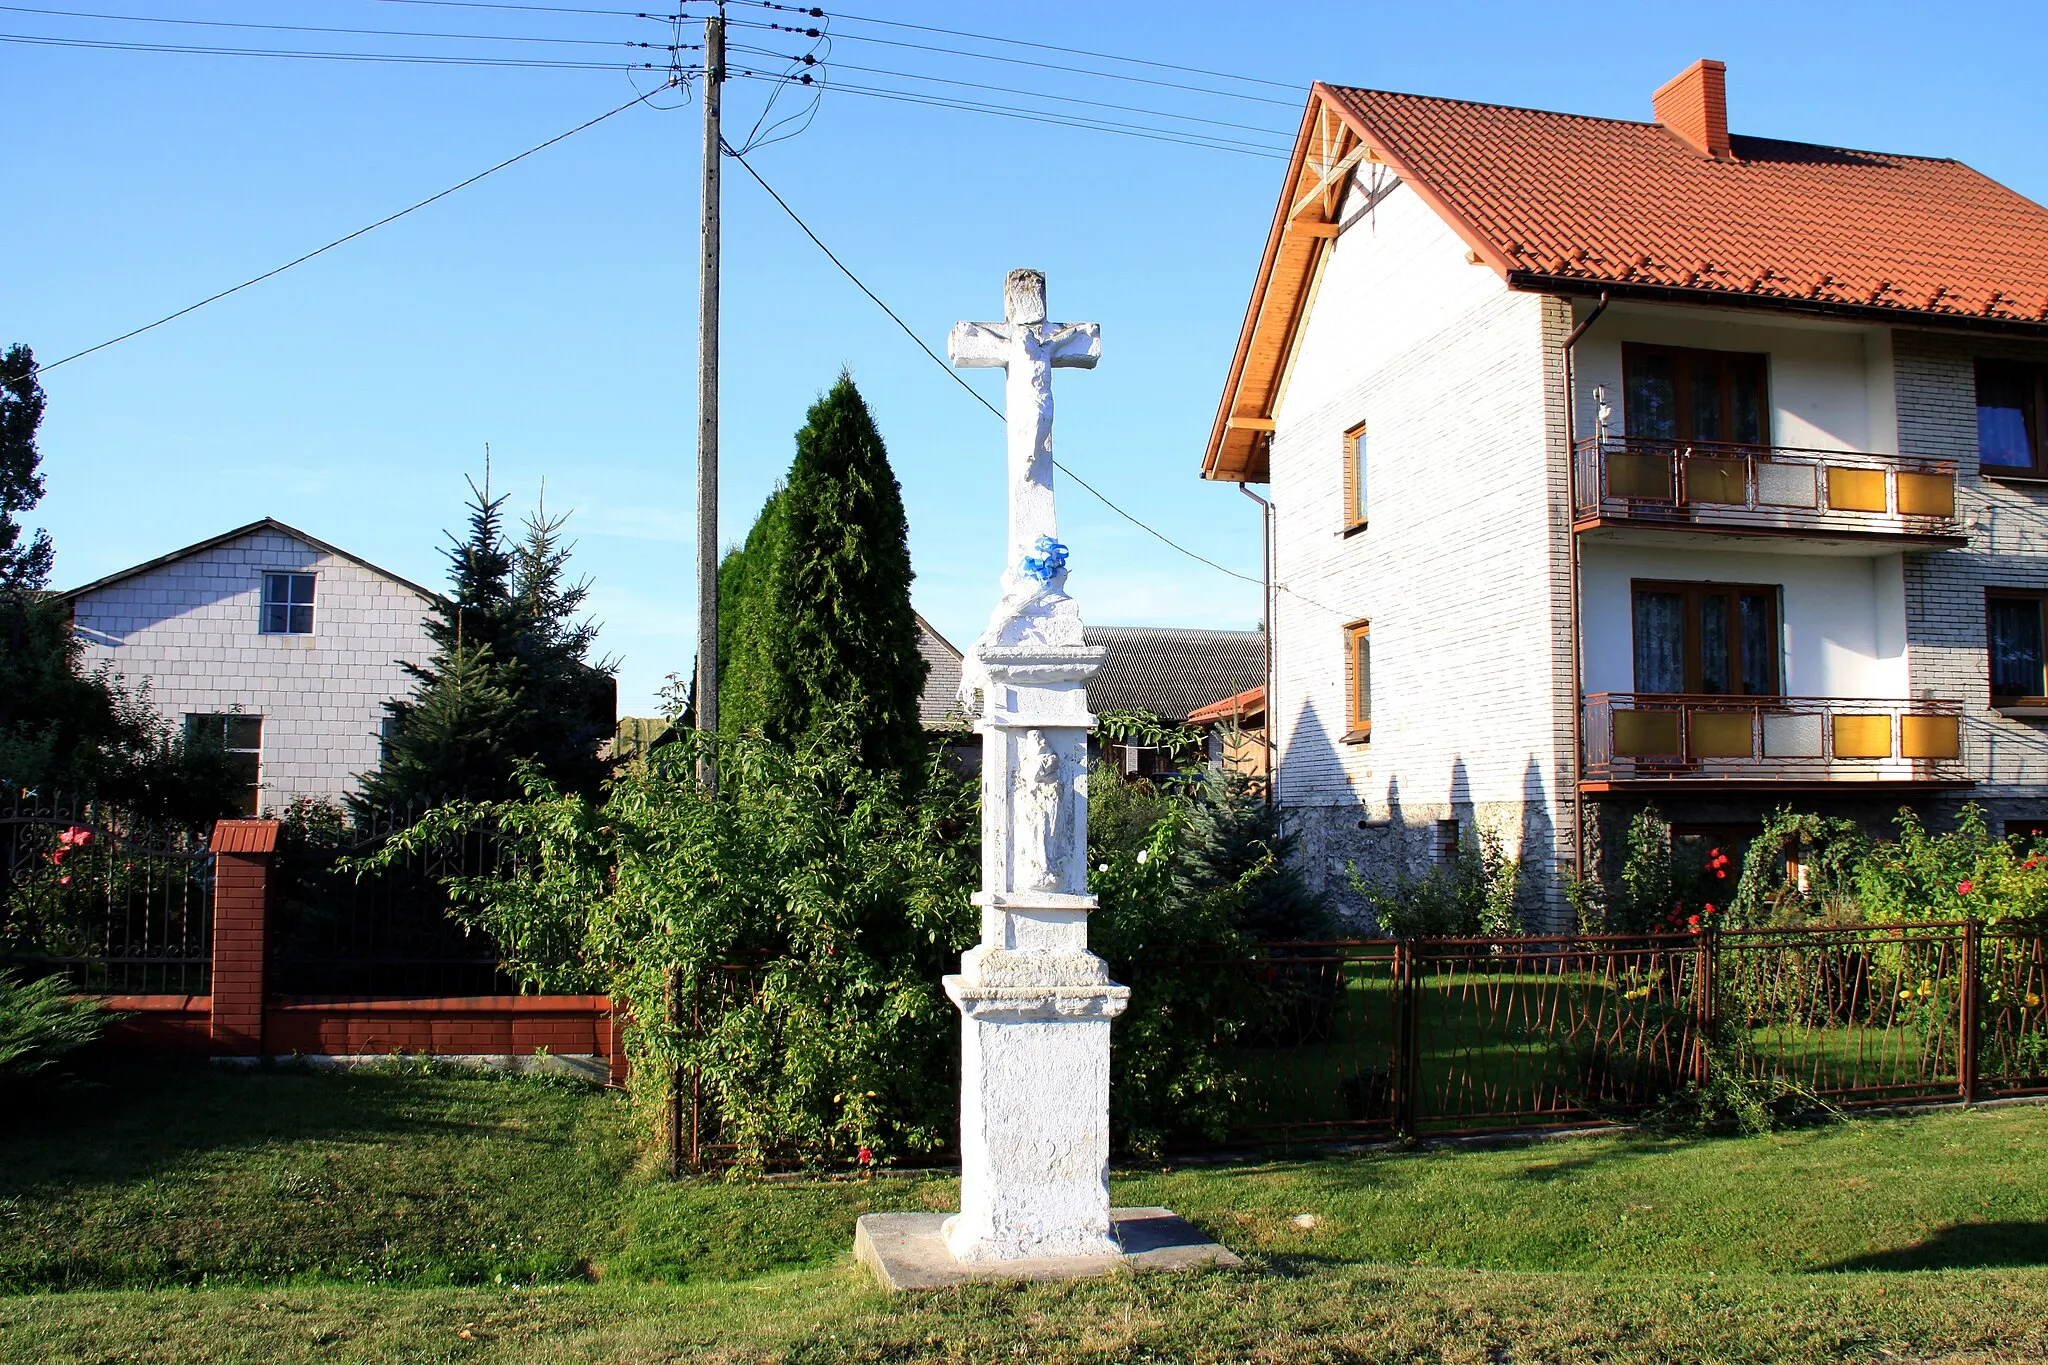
[
  {"x": 1694, "y": 921},
  {"x": 1964, "y": 888},
  {"x": 1710, "y": 909},
  {"x": 1719, "y": 875},
  {"x": 866, "y": 1158},
  {"x": 64, "y": 881},
  {"x": 2031, "y": 863},
  {"x": 78, "y": 836}
]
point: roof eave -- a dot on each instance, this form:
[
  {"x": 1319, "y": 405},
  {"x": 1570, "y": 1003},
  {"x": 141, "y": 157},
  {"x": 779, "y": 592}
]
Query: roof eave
[
  {"x": 261, "y": 524},
  {"x": 1530, "y": 281}
]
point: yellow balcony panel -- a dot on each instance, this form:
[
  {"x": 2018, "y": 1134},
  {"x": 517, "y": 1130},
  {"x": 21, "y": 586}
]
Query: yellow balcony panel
[
  {"x": 1927, "y": 495},
  {"x": 1863, "y": 736},
  {"x": 1639, "y": 476},
  {"x": 1716, "y": 481},
  {"x": 1723, "y": 734},
  {"x": 1930, "y": 737},
  {"x": 1855, "y": 490},
  {"x": 1646, "y": 734}
]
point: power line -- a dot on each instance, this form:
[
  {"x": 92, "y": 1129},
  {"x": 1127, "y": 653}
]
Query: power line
[
  {"x": 399, "y": 58},
  {"x": 1042, "y": 66},
  {"x": 1020, "y": 42},
  {"x": 1179, "y": 137},
  {"x": 1013, "y": 90},
  {"x": 976, "y": 393},
  {"x": 361, "y": 231},
  {"x": 537, "y": 9},
  {"x": 352, "y": 32}
]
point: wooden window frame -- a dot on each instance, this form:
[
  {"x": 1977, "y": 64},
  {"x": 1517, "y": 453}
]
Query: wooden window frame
[
  {"x": 2037, "y": 374},
  {"x": 1632, "y": 350},
  {"x": 2039, "y": 599},
  {"x": 1359, "y": 727},
  {"x": 1771, "y": 592},
  {"x": 1354, "y": 439}
]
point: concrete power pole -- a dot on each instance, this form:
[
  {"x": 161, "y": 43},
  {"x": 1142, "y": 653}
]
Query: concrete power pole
[{"x": 707, "y": 406}]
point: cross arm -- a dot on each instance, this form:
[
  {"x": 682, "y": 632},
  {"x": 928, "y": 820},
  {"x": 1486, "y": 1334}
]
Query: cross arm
[
  {"x": 1075, "y": 345},
  {"x": 978, "y": 345}
]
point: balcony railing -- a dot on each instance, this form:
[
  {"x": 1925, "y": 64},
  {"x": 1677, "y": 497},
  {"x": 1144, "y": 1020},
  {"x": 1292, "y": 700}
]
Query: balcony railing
[
  {"x": 1632, "y": 737},
  {"x": 1765, "y": 490}
]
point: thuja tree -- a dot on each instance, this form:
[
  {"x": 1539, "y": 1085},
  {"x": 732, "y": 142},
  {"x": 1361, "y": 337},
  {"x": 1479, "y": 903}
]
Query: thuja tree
[
  {"x": 784, "y": 942},
  {"x": 750, "y": 645},
  {"x": 840, "y": 615}
]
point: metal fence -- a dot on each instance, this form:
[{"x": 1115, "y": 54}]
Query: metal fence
[
  {"x": 340, "y": 929},
  {"x": 1458, "y": 1036},
  {"x": 116, "y": 905}
]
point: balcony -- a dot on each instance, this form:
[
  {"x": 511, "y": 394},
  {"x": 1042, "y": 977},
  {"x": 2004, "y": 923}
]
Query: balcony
[
  {"x": 1843, "y": 497},
  {"x": 1640, "y": 742}
]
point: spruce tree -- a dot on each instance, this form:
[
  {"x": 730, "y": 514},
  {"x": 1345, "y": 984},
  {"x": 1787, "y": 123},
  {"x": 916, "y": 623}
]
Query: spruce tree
[
  {"x": 841, "y": 620},
  {"x": 509, "y": 681},
  {"x": 24, "y": 568}
]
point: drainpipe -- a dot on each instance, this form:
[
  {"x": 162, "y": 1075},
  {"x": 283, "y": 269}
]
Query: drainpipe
[
  {"x": 1266, "y": 629},
  {"x": 1571, "y": 513}
]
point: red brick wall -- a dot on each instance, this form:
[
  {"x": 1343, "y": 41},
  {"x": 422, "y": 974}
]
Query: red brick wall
[
  {"x": 467, "y": 1026},
  {"x": 243, "y": 851}
]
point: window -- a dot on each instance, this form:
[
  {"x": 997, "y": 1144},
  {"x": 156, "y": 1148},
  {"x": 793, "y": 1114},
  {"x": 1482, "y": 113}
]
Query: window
[
  {"x": 1354, "y": 478},
  {"x": 1358, "y": 668},
  {"x": 2013, "y": 639},
  {"x": 2009, "y": 411},
  {"x": 287, "y": 604},
  {"x": 1673, "y": 394},
  {"x": 1706, "y": 639},
  {"x": 241, "y": 738}
]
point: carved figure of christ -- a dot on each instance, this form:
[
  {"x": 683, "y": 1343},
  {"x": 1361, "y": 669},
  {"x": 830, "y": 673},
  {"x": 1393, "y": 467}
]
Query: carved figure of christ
[{"x": 1029, "y": 348}]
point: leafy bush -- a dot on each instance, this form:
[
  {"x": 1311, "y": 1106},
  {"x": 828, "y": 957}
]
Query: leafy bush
[
  {"x": 1191, "y": 879},
  {"x": 41, "y": 1021},
  {"x": 1472, "y": 894}
]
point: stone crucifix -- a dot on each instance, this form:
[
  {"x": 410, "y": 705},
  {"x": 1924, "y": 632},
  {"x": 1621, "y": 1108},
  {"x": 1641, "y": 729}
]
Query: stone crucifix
[
  {"x": 1029, "y": 348},
  {"x": 1035, "y": 1004}
]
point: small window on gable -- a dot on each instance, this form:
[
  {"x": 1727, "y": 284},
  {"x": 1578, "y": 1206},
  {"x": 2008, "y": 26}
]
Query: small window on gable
[
  {"x": 287, "y": 604},
  {"x": 1354, "y": 478},
  {"x": 1358, "y": 681},
  {"x": 2010, "y": 405}
]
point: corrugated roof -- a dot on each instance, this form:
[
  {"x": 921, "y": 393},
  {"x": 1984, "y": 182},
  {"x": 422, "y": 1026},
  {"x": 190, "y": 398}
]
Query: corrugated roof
[
  {"x": 1172, "y": 672},
  {"x": 244, "y": 836},
  {"x": 939, "y": 706},
  {"x": 1563, "y": 203}
]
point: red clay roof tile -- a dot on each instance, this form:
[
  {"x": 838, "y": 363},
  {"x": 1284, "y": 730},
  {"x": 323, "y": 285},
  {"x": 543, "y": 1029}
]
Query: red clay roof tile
[{"x": 1613, "y": 201}]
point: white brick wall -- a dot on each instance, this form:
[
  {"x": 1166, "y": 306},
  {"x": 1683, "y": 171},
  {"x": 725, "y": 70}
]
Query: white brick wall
[
  {"x": 192, "y": 628},
  {"x": 1945, "y": 643},
  {"x": 1461, "y": 570}
]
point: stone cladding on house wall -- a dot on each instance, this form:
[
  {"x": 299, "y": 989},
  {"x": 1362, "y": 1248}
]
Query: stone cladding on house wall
[
  {"x": 1460, "y": 569},
  {"x": 1945, "y": 641},
  {"x": 192, "y": 628}
]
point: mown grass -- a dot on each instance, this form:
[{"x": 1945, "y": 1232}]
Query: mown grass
[{"x": 276, "y": 1216}]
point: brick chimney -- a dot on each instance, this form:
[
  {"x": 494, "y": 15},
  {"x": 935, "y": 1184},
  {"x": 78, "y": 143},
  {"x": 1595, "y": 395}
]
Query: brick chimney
[{"x": 1694, "y": 105}]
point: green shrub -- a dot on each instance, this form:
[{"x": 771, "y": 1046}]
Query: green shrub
[
  {"x": 41, "y": 1021},
  {"x": 1471, "y": 894}
]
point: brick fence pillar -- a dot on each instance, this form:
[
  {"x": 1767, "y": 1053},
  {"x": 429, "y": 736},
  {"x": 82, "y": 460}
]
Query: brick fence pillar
[{"x": 243, "y": 853}]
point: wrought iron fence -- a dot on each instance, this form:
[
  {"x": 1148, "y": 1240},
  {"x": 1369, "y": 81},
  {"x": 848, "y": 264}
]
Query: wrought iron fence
[
  {"x": 1361, "y": 1039},
  {"x": 338, "y": 929},
  {"x": 115, "y": 904}
]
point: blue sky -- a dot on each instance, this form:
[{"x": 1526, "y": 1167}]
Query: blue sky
[{"x": 550, "y": 310}]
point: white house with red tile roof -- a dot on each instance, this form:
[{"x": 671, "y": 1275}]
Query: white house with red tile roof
[
  {"x": 285, "y": 646},
  {"x": 1618, "y": 461}
]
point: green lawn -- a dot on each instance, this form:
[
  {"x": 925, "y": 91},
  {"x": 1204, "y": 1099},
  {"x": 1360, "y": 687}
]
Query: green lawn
[{"x": 200, "y": 1215}]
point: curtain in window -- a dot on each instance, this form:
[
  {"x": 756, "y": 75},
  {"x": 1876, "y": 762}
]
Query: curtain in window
[
  {"x": 2014, "y": 627},
  {"x": 1758, "y": 646},
  {"x": 1651, "y": 406},
  {"x": 1660, "y": 642},
  {"x": 2005, "y": 417}
]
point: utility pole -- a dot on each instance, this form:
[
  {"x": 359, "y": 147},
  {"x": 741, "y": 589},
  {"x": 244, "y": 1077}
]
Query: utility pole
[{"x": 707, "y": 406}]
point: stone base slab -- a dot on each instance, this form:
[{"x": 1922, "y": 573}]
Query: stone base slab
[{"x": 908, "y": 1251}]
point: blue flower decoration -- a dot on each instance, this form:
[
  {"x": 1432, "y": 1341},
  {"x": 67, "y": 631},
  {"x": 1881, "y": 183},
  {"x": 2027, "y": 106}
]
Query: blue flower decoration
[{"x": 1048, "y": 563}]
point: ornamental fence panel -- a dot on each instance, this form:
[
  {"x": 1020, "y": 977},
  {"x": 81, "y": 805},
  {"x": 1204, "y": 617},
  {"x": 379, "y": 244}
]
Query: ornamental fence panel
[
  {"x": 114, "y": 904},
  {"x": 338, "y": 929},
  {"x": 1357, "y": 1040}
]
